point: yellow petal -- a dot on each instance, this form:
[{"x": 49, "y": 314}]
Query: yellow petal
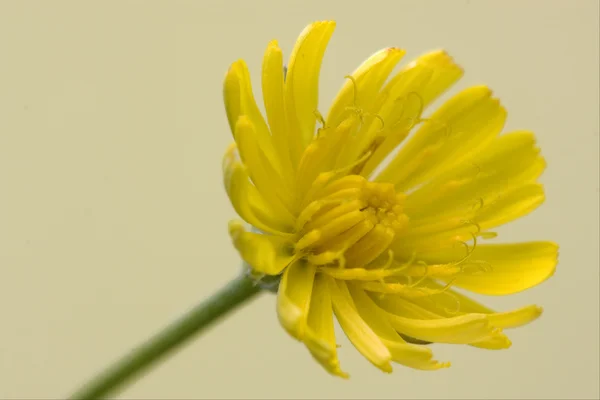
[
  {"x": 267, "y": 254},
  {"x": 511, "y": 206},
  {"x": 370, "y": 246},
  {"x": 460, "y": 128},
  {"x": 463, "y": 329},
  {"x": 411, "y": 355},
  {"x": 449, "y": 302},
  {"x": 496, "y": 341},
  {"x": 374, "y": 316},
  {"x": 320, "y": 334},
  {"x": 302, "y": 84},
  {"x": 516, "y": 318},
  {"x": 361, "y": 95},
  {"x": 445, "y": 230},
  {"x": 239, "y": 101},
  {"x": 366, "y": 82},
  {"x": 425, "y": 308},
  {"x": 415, "y": 356},
  {"x": 244, "y": 197},
  {"x": 407, "y": 95},
  {"x": 400, "y": 306},
  {"x": 509, "y": 162},
  {"x": 443, "y": 306},
  {"x": 445, "y": 72},
  {"x": 505, "y": 268},
  {"x": 321, "y": 154},
  {"x": 273, "y": 96},
  {"x": 405, "y": 112},
  {"x": 493, "y": 188},
  {"x": 357, "y": 330},
  {"x": 232, "y": 93},
  {"x": 293, "y": 298},
  {"x": 264, "y": 176}
]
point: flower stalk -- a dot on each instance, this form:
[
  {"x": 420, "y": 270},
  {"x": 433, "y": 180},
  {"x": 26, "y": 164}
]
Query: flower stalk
[{"x": 165, "y": 342}]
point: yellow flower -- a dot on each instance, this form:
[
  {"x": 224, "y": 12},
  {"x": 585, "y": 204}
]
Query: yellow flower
[{"x": 376, "y": 236}]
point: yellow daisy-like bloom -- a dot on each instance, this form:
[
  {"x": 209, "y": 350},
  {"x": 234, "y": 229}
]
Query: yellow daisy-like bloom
[{"x": 380, "y": 237}]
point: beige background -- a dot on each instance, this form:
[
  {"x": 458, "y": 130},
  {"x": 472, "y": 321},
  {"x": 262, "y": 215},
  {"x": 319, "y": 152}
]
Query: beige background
[{"x": 113, "y": 217}]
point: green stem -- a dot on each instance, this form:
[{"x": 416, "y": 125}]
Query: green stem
[{"x": 170, "y": 338}]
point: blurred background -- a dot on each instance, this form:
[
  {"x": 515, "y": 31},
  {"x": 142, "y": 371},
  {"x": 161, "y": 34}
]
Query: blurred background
[{"x": 113, "y": 218}]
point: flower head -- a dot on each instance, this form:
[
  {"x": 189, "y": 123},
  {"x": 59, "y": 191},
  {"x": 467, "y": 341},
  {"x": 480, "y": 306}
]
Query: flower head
[{"x": 376, "y": 213}]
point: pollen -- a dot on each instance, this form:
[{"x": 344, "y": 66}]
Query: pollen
[{"x": 352, "y": 223}]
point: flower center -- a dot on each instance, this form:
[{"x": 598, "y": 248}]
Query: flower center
[{"x": 350, "y": 222}]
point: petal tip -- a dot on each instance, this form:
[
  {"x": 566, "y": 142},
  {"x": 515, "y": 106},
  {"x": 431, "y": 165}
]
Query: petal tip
[
  {"x": 396, "y": 50},
  {"x": 482, "y": 90},
  {"x": 325, "y": 24},
  {"x": 235, "y": 228},
  {"x": 386, "y": 367},
  {"x": 442, "y": 58},
  {"x": 336, "y": 371}
]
